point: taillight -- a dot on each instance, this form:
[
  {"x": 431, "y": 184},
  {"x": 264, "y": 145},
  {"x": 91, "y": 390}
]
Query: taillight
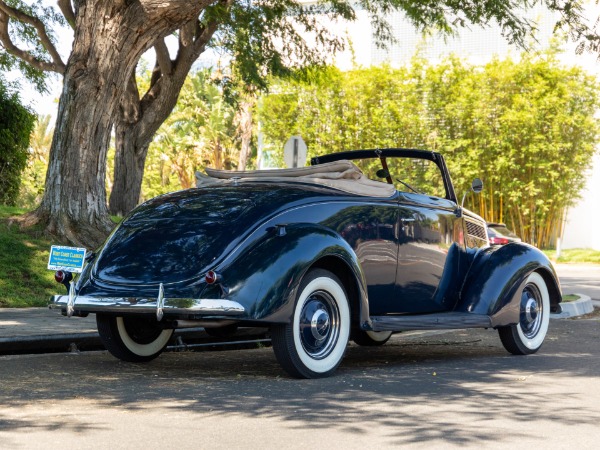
[
  {"x": 498, "y": 240},
  {"x": 212, "y": 277},
  {"x": 62, "y": 276}
]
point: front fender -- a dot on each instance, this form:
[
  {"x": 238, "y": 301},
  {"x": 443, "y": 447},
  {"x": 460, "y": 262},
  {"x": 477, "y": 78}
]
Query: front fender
[
  {"x": 496, "y": 277},
  {"x": 265, "y": 276}
]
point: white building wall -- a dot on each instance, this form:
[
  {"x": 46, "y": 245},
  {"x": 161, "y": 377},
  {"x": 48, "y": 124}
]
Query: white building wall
[{"x": 582, "y": 224}]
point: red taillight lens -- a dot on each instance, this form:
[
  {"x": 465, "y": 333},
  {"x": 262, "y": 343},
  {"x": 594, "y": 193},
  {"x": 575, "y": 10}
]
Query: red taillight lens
[
  {"x": 59, "y": 276},
  {"x": 62, "y": 276},
  {"x": 212, "y": 277},
  {"x": 498, "y": 240}
]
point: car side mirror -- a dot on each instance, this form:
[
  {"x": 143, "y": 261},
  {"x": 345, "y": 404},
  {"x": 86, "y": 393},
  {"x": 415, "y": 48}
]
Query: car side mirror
[{"x": 476, "y": 187}]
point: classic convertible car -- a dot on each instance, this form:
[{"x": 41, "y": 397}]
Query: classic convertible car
[{"x": 360, "y": 245}]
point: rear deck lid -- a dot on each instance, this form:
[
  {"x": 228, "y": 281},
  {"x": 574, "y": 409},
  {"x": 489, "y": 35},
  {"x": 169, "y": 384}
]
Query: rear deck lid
[{"x": 173, "y": 238}]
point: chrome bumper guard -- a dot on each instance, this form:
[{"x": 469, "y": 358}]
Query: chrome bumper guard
[{"x": 159, "y": 305}]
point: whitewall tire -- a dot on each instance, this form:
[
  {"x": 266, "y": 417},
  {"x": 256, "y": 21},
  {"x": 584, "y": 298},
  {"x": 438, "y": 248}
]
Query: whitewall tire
[
  {"x": 314, "y": 343},
  {"x": 528, "y": 335},
  {"x": 133, "y": 339}
]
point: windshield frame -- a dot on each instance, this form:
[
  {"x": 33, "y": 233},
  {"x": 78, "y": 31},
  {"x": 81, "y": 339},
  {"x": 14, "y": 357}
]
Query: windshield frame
[{"x": 385, "y": 153}]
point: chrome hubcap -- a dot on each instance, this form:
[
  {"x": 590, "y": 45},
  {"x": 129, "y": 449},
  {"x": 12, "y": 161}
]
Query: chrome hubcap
[
  {"x": 531, "y": 311},
  {"x": 319, "y": 324}
]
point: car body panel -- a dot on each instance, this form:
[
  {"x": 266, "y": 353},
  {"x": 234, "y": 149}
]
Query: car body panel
[
  {"x": 427, "y": 260},
  {"x": 496, "y": 277}
]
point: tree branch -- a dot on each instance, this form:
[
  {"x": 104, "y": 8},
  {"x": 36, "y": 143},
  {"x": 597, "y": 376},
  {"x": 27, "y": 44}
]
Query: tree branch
[
  {"x": 130, "y": 101},
  {"x": 162, "y": 57},
  {"x": 11, "y": 48},
  {"x": 8, "y": 12},
  {"x": 165, "y": 85},
  {"x": 203, "y": 34},
  {"x": 67, "y": 9}
]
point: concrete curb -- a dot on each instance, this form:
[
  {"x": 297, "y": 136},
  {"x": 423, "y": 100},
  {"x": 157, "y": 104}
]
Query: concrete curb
[
  {"x": 584, "y": 305},
  {"x": 50, "y": 343}
]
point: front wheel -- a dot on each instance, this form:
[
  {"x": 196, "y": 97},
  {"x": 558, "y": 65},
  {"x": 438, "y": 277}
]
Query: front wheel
[
  {"x": 528, "y": 335},
  {"x": 314, "y": 343},
  {"x": 133, "y": 339}
]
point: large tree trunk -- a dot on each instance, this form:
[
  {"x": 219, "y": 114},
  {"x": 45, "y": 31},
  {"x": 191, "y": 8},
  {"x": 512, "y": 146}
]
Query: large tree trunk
[
  {"x": 139, "y": 119},
  {"x": 130, "y": 157},
  {"x": 110, "y": 37}
]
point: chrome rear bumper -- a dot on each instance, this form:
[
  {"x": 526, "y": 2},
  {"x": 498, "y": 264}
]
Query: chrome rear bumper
[{"x": 221, "y": 307}]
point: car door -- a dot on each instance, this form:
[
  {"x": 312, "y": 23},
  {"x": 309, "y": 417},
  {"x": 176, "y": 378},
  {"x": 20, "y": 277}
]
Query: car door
[
  {"x": 372, "y": 231},
  {"x": 428, "y": 254}
]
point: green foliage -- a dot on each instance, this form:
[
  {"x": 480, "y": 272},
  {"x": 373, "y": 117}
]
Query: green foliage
[
  {"x": 262, "y": 40},
  {"x": 364, "y": 108},
  {"x": 526, "y": 128},
  {"x": 34, "y": 175},
  {"x": 201, "y": 131},
  {"x": 16, "y": 123},
  {"x": 26, "y": 37},
  {"x": 24, "y": 277}
]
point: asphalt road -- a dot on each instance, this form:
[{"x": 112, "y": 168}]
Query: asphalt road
[
  {"x": 580, "y": 279},
  {"x": 445, "y": 390}
]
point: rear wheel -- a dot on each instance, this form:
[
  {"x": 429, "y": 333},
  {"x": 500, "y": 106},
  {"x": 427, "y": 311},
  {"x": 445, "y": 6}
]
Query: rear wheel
[
  {"x": 133, "y": 339},
  {"x": 314, "y": 343},
  {"x": 528, "y": 335},
  {"x": 371, "y": 338}
]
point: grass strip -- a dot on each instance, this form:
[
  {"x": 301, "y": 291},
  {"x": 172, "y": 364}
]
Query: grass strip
[{"x": 25, "y": 280}]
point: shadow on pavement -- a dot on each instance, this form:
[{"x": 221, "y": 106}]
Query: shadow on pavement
[{"x": 414, "y": 390}]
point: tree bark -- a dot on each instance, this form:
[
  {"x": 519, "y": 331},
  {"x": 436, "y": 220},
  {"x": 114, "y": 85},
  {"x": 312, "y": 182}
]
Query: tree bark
[
  {"x": 139, "y": 119},
  {"x": 130, "y": 157},
  {"x": 245, "y": 126},
  {"x": 110, "y": 37}
]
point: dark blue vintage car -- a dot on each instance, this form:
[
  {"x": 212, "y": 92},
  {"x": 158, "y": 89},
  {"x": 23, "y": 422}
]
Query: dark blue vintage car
[{"x": 357, "y": 246}]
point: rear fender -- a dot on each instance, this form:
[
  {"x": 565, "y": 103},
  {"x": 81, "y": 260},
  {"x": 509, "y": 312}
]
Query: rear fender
[
  {"x": 265, "y": 276},
  {"x": 496, "y": 277}
]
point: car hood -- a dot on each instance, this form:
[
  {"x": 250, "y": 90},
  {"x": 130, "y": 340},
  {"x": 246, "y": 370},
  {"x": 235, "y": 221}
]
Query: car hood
[{"x": 180, "y": 236}]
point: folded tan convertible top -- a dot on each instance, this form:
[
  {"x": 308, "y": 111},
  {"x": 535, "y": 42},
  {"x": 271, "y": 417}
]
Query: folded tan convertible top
[{"x": 342, "y": 175}]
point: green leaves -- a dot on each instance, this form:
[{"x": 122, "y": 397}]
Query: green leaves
[
  {"x": 526, "y": 128},
  {"x": 16, "y": 124},
  {"x": 201, "y": 131}
]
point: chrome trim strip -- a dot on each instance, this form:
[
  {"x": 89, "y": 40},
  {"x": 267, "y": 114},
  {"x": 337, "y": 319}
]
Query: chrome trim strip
[{"x": 149, "y": 305}]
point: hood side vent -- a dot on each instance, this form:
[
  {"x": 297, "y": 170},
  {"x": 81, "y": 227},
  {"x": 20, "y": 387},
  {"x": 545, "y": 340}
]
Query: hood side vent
[{"x": 476, "y": 230}]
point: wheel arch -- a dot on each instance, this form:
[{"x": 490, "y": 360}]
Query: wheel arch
[
  {"x": 306, "y": 246},
  {"x": 553, "y": 286},
  {"x": 497, "y": 277},
  {"x": 354, "y": 290}
]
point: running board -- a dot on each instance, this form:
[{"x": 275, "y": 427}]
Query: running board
[{"x": 438, "y": 321}]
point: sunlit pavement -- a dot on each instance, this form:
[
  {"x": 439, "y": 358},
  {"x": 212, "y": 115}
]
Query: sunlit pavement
[
  {"x": 450, "y": 390},
  {"x": 580, "y": 279}
]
